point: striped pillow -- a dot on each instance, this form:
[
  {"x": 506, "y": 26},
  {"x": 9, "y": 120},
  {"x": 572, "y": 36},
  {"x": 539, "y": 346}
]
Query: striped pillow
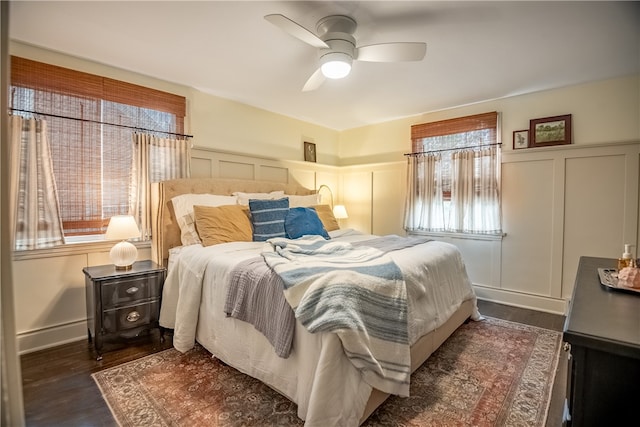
[{"x": 267, "y": 218}]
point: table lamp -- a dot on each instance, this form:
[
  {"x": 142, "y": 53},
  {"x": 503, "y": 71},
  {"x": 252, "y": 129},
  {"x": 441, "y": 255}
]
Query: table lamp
[{"x": 123, "y": 227}]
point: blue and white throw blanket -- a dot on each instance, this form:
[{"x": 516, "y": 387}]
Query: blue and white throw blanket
[{"x": 357, "y": 293}]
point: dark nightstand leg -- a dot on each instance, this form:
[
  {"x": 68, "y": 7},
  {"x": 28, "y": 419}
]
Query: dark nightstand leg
[
  {"x": 161, "y": 334},
  {"x": 89, "y": 335}
]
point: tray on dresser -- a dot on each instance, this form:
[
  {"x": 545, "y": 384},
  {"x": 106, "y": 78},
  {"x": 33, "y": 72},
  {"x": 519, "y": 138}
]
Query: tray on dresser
[{"x": 609, "y": 279}]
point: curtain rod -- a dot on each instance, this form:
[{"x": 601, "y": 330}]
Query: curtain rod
[
  {"x": 452, "y": 149},
  {"x": 101, "y": 123}
]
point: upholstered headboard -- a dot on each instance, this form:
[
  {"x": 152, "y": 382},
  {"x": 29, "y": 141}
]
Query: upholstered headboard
[{"x": 164, "y": 229}]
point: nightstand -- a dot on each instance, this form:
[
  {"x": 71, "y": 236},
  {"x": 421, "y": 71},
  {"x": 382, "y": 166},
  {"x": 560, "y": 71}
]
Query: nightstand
[{"x": 122, "y": 304}]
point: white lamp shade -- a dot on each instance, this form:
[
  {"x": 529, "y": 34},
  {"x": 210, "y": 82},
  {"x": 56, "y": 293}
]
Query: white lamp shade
[
  {"x": 122, "y": 227},
  {"x": 340, "y": 212}
]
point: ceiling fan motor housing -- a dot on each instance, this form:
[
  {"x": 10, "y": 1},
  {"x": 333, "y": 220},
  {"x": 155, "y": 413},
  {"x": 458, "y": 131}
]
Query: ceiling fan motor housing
[
  {"x": 339, "y": 45},
  {"x": 337, "y": 32},
  {"x": 336, "y": 24}
]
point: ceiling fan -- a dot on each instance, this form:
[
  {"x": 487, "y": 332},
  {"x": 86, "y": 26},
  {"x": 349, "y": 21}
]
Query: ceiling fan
[{"x": 337, "y": 47}]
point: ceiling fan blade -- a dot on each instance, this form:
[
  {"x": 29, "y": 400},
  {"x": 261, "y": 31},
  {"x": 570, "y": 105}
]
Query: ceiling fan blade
[
  {"x": 392, "y": 52},
  {"x": 295, "y": 30},
  {"x": 314, "y": 82}
]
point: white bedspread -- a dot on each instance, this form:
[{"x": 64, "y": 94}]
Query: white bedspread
[
  {"x": 317, "y": 376},
  {"x": 357, "y": 293}
]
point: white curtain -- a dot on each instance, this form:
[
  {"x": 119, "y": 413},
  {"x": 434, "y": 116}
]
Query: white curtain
[
  {"x": 473, "y": 184},
  {"x": 475, "y": 191},
  {"x": 155, "y": 159},
  {"x": 424, "y": 208},
  {"x": 35, "y": 211}
]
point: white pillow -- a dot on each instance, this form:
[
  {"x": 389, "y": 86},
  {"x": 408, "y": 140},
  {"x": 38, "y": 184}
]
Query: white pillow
[
  {"x": 243, "y": 198},
  {"x": 183, "y": 208},
  {"x": 303, "y": 201}
]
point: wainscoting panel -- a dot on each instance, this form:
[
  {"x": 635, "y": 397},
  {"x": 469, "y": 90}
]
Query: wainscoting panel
[
  {"x": 51, "y": 297},
  {"x": 358, "y": 193},
  {"x": 599, "y": 209},
  {"x": 201, "y": 168},
  {"x": 303, "y": 177},
  {"x": 527, "y": 206},
  {"x": 236, "y": 170},
  {"x": 273, "y": 174},
  {"x": 331, "y": 180},
  {"x": 388, "y": 198}
]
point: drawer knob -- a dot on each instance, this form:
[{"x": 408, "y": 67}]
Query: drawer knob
[
  {"x": 132, "y": 290},
  {"x": 566, "y": 347},
  {"x": 133, "y": 316}
]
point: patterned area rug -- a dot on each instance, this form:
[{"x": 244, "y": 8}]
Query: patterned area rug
[{"x": 488, "y": 373}]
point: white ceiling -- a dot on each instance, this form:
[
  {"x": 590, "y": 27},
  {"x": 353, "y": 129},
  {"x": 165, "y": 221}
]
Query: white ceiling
[{"x": 475, "y": 50}]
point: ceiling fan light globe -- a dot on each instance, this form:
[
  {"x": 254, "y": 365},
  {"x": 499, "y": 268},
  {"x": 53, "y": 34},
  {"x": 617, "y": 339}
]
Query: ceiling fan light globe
[
  {"x": 336, "y": 65},
  {"x": 336, "y": 69}
]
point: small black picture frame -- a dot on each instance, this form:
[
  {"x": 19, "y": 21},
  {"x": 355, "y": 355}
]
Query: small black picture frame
[
  {"x": 520, "y": 139},
  {"x": 309, "y": 152}
]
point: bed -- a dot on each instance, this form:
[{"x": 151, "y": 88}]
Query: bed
[{"x": 316, "y": 374}]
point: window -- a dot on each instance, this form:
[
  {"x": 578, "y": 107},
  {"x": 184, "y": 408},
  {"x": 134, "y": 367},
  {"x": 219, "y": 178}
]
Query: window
[
  {"x": 454, "y": 176},
  {"x": 91, "y": 120}
]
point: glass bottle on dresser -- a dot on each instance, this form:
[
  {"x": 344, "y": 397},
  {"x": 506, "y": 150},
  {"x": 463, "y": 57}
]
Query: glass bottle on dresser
[{"x": 627, "y": 259}]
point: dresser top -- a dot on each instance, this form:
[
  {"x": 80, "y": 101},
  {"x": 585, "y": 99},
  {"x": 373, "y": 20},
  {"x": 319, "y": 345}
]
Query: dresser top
[
  {"x": 109, "y": 271},
  {"x": 600, "y": 317}
]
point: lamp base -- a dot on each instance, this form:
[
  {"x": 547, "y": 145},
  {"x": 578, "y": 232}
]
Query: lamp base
[{"x": 123, "y": 255}]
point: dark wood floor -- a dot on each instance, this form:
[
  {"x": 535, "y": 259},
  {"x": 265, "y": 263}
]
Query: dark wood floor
[{"x": 59, "y": 391}]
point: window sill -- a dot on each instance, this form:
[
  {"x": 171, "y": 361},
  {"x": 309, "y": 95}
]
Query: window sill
[
  {"x": 462, "y": 236},
  {"x": 73, "y": 249}
]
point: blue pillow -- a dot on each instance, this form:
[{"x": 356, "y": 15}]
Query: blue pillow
[
  {"x": 304, "y": 221},
  {"x": 267, "y": 218}
]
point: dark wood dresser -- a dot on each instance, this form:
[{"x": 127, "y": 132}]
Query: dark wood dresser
[{"x": 602, "y": 338}]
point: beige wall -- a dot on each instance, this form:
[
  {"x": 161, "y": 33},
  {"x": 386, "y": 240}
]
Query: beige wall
[
  {"x": 603, "y": 112},
  {"x": 227, "y": 125},
  {"x": 548, "y": 212}
]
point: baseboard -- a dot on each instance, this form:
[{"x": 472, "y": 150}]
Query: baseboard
[
  {"x": 522, "y": 300},
  {"x": 51, "y": 336}
]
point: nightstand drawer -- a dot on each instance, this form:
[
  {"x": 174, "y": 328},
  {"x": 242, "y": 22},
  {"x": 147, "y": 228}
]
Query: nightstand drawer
[
  {"x": 123, "y": 291},
  {"x": 121, "y": 319}
]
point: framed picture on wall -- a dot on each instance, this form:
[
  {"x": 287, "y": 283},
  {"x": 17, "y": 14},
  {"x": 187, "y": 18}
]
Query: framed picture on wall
[
  {"x": 547, "y": 131},
  {"x": 309, "y": 152},
  {"x": 520, "y": 139}
]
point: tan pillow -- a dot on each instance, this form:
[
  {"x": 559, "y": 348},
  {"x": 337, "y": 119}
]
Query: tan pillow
[
  {"x": 183, "y": 208},
  {"x": 326, "y": 216},
  {"x": 223, "y": 224}
]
